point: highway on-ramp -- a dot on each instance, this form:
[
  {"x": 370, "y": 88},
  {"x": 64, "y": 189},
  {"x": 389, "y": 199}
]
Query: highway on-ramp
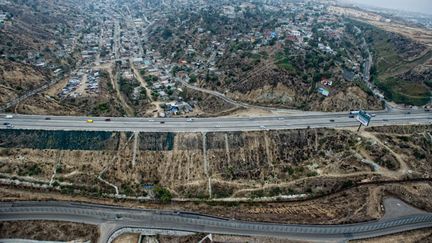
[
  {"x": 218, "y": 124},
  {"x": 398, "y": 218}
]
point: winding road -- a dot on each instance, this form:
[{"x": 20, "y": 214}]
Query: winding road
[{"x": 399, "y": 217}]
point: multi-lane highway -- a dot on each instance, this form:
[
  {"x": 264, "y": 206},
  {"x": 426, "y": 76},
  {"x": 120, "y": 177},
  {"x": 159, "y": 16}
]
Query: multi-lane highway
[
  {"x": 399, "y": 217},
  {"x": 292, "y": 121}
]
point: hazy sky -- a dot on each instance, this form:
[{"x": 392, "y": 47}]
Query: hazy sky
[{"x": 424, "y": 6}]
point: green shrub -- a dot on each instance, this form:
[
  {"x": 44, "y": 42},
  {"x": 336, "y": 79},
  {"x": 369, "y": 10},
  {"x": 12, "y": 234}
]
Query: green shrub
[{"x": 162, "y": 194}]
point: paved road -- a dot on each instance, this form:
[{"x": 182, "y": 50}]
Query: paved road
[
  {"x": 294, "y": 121},
  {"x": 118, "y": 218}
]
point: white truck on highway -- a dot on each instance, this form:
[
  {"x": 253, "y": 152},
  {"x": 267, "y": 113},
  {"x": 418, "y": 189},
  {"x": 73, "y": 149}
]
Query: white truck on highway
[{"x": 9, "y": 116}]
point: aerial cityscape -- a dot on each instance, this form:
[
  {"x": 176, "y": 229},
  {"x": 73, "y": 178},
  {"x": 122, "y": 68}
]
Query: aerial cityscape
[{"x": 215, "y": 121}]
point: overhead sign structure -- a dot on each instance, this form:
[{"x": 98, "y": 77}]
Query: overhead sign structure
[{"x": 364, "y": 118}]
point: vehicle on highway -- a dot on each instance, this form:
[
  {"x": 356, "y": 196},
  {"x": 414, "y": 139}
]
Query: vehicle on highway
[
  {"x": 90, "y": 121},
  {"x": 351, "y": 116},
  {"x": 265, "y": 128},
  {"x": 427, "y": 110},
  {"x": 6, "y": 123},
  {"x": 373, "y": 115},
  {"x": 162, "y": 122},
  {"x": 354, "y": 112},
  {"x": 9, "y": 116},
  {"x": 108, "y": 120},
  {"x": 386, "y": 120},
  {"x": 332, "y": 120},
  {"x": 9, "y": 125},
  {"x": 47, "y": 118},
  {"x": 190, "y": 120},
  {"x": 151, "y": 120},
  {"x": 281, "y": 118}
]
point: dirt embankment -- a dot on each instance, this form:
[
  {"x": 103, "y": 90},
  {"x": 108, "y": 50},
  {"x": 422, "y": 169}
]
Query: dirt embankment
[
  {"x": 230, "y": 165},
  {"x": 414, "y": 236},
  {"x": 284, "y": 92},
  {"x": 349, "y": 206},
  {"x": 49, "y": 231},
  {"x": 412, "y": 143},
  {"x": 16, "y": 79},
  {"x": 324, "y": 164}
]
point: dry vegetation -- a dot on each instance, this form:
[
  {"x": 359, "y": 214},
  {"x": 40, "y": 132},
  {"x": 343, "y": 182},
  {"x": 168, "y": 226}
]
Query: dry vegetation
[
  {"x": 249, "y": 164},
  {"x": 133, "y": 238},
  {"x": 208, "y": 105},
  {"x": 324, "y": 165},
  {"x": 349, "y": 206},
  {"x": 221, "y": 239},
  {"x": 252, "y": 164},
  {"x": 415, "y": 236},
  {"x": 412, "y": 143},
  {"x": 16, "y": 78},
  {"x": 31, "y": 36},
  {"x": 49, "y": 231},
  {"x": 127, "y": 238}
]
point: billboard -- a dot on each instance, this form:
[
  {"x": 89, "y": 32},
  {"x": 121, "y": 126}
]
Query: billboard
[{"x": 364, "y": 118}]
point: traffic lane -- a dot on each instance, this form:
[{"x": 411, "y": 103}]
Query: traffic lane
[
  {"x": 216, "y": 128},
  {"x": 291, "y": 116},
  {"x": 170, "y": 217},
  {"x": 140, "y": 119},
  {"x": 201, "y": 121},
  {"x": 221, "y": 121},
  {"x": 175, "y": 222},
  {"x": 221, "y": 125},
  {"x": 174, "y": 125}
]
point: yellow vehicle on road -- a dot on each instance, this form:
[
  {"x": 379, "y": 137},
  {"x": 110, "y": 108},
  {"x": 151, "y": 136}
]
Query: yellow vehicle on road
[{"x": 89, "y": 121}]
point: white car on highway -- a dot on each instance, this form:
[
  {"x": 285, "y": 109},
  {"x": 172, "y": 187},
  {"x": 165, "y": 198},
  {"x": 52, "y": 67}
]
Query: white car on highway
[{"x": 264, "y": 128}]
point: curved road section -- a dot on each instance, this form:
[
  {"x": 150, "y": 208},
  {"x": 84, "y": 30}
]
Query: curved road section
[{"x": 398, "y": 218}]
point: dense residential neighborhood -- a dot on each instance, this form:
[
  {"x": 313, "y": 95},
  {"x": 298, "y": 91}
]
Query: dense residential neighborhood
[{"x": 304, "y": 57}]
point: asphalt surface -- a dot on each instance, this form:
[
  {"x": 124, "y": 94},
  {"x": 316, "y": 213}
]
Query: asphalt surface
[
  {"x": 119, "y": 218},
  {"x": 292, "y": 121}
]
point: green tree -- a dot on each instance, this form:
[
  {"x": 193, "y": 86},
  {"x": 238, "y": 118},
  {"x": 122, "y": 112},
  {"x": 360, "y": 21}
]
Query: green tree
[
  {"x": 193, "y": 78},
  {"x": 162, "y": 194}
]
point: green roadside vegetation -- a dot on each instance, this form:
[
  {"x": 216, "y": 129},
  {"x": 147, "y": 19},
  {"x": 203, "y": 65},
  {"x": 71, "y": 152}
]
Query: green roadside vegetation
[
  {"x": 390, "y": 65},
  {"x": 405, "y": 92}
]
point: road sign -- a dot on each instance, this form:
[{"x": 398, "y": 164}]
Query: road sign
[{"x": 364, "y": 118}]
